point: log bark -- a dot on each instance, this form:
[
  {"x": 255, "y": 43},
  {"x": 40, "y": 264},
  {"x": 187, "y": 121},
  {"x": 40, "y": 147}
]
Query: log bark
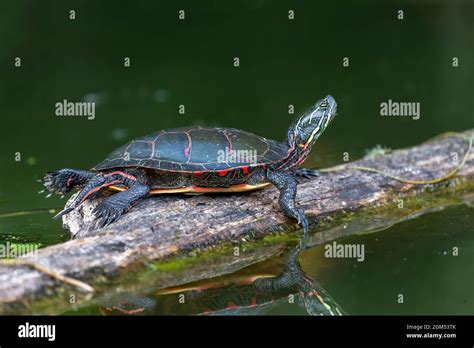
[{"x": 180, "y": 239}]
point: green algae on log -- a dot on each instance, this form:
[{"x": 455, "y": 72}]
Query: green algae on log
[{"x": 185, "y": 238}]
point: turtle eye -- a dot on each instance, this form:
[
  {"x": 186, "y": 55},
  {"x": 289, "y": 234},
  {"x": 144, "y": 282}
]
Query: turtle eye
[{"x": 324, "y": 104}]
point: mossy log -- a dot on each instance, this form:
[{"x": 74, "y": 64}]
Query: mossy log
[{"x": 175, "y": 239}]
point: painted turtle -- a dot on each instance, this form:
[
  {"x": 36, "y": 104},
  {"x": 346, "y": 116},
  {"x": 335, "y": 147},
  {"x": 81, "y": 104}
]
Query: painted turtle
[{"x": 198, "y": 160}]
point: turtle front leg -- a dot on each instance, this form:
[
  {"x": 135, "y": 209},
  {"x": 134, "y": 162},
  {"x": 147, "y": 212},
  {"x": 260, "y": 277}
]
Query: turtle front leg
[
  {"x": 286, "y": 183},
  {"x": 113, "y": 207},
  {"x": 64, "y": 180}
]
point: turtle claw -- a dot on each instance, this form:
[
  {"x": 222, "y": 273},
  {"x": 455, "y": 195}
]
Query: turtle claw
[
  {"x": 304, "y": 223},
  {"x": 107, "y": 213},
  {"x": 306, "y": 174},
  {"x": 62, "y": 212}
]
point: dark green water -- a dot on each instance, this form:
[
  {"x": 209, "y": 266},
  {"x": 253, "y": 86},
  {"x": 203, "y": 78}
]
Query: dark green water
[{"x": 282, "y": 62}]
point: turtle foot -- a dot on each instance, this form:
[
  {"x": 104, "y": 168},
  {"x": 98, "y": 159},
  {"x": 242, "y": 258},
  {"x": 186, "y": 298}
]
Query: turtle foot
[
  {"x": 108, "y": 212},
  {"x": 307, "y": 174},
  {"x": 63, "y": 181},
  {"x": 59, "y": 182}
]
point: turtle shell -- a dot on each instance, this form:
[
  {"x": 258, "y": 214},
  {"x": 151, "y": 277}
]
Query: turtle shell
[{"x": 196, "y": 149}]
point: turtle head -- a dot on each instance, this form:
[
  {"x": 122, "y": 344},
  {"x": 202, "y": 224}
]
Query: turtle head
[{"x": 307, "y": 129}]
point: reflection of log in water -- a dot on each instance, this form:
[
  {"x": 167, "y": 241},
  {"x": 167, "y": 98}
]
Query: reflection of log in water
[{"x": 183, "y": 239}]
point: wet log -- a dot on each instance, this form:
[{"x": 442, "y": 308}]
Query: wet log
[{"x": 181, "y": 238}]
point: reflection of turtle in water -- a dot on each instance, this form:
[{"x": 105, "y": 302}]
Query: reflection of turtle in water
[
  {"x": 256, "y": 296},
  {"x": 198, "y": 160}
]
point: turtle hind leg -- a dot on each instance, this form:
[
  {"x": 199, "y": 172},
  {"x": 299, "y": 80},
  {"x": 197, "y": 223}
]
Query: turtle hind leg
[
  {"x": 286, "y": 183},
  {"x": 109, "y": 210},
  {"x": 96, "y": 184},
  {"x": 64, "y": 180}
]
